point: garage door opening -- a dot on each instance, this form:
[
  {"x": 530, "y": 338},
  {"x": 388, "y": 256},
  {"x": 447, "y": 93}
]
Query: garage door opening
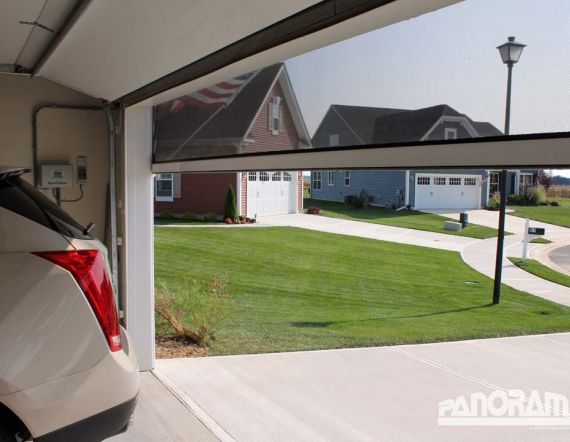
[{"x": 356, "y": 267}]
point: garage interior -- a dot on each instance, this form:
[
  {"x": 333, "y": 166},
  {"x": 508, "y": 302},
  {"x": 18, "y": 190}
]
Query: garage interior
[{"x": 79, "y": 79}]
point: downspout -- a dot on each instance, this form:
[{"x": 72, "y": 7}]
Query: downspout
[
  {"x": 112, "y": 172},
  {"x": 407, "y": 189}
]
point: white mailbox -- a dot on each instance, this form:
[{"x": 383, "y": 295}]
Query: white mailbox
[{"x": 56, "y": 176}]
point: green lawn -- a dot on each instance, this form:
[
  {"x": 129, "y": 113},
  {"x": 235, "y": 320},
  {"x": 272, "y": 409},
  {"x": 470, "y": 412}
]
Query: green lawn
[
  {"x": 296, "y": 289},
  {"x": 409, "y": 219},
  {"x": 536, "y": 268},
  {"x": 559, "y": 215},
  {"x": 540, "y": 241}
]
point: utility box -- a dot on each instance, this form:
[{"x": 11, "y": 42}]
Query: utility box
[{"x": 56, "y": 176}]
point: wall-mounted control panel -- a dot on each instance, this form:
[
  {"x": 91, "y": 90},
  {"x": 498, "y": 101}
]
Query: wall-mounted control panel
[
  {"x": 81, "y": 170},
  {"x": 56, "y": 176}
]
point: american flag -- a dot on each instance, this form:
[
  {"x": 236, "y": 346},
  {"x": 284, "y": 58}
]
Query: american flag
[{"x": 213, "y": 97}]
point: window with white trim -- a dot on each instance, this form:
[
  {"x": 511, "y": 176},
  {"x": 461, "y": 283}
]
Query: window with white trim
[
  {"x": 525, "y": 181},
  {"x": 450, "y": 133},
  {"x": 330, "y": 178},
  {"x": 316, "y": 175},
  {"x": 423, "y": 181},
  {"x": 252, "y": 176},
  {"x": 439, "y": 181},
  {"x": 454, "y": 181},
  {"x": 286, "y": 176},
  {"x": 347, "y": 178},
  {"x": 470, "y": 181},
  {"x": 263, "y": 176},
  {"x": 276, "y": 176},
  {"x": 494, "y": 186},
  {"x": 164, "y": 187},
  {"x": 275, "y": 115}
]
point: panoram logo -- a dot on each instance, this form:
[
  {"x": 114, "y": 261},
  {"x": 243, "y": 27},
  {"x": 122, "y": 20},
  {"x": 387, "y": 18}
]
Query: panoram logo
[{"x": 506, "y": 408}]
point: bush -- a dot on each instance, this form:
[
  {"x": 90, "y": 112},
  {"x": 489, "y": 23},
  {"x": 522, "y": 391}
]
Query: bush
[
  {"x": 194, "y": 310},
  {"x": 230, "y": 208},
  {"x": 528, "y": 197},
  {"x": 165, "y": 214},
  {"x": 210, "y": 217},
  {"x": 514, "y": 200},
  {"x": 494, "y": 203},
  {"x": 360, "y": 201},
  {"x": 554, "y": 203},
  {"x": 190, "y": 216}
]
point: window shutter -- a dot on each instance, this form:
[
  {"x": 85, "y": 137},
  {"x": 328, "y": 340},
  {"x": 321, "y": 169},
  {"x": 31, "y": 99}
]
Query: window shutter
[
  {"x": 281, "y": 118},
  {"x": 176, "y": 185},
  {"x": 269, "y": 114}
]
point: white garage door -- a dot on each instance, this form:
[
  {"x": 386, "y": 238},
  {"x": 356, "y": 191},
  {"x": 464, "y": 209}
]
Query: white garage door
[
  {"x": 271, "y": 193},
  {"x": 447, "y": 191}
]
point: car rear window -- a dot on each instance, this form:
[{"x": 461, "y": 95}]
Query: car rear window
[{"x": 20, "y": 197}]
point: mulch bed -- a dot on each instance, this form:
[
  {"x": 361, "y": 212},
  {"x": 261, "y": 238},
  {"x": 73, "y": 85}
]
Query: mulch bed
[{"x": 171, "y": 346}]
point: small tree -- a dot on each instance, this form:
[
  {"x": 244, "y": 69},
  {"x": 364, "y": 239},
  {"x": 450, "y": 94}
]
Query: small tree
[
  {"x": 545, "y": 179},
  {"x": 230, "y": 209}
]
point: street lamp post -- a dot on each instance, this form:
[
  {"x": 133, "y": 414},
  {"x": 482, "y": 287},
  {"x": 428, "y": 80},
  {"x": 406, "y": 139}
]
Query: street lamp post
[{"x": 510, "y": 53}]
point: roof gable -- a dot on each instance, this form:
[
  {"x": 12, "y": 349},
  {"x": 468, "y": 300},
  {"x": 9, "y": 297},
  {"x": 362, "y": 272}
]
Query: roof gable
[
  {"x": 361, "y": 119},
  {"x": 231, "y": 123}
]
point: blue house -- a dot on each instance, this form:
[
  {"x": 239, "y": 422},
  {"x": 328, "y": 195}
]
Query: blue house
[{"x": 419, "y": 189}]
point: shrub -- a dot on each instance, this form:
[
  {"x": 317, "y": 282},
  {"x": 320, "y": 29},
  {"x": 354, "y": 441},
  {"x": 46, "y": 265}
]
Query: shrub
[
  {"x": 494, "y": 203},
  {"x": 554, "y": 203},
  {"x": 313, "y": 210},
  {"x": 165, "y": 214},
  {"x": 210, "y": 217},
  {"x": 190, "y": 216},
  {"x": 194, "y": 310},
  {"x": 230, "y": 208},
  {"x": 528, "y": 197},
  {"x": 357, "y": 202},
  {"x": 514, "y": 200}
]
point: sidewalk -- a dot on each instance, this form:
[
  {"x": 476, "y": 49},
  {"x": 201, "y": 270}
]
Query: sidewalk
[{"x": 481, "y": 256}]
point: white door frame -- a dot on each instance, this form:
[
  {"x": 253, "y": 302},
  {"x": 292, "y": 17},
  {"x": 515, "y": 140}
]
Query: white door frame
[{"x": 139, "y": 237}]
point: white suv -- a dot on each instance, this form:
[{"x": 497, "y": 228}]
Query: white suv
[{"x": 68, "y": 370}]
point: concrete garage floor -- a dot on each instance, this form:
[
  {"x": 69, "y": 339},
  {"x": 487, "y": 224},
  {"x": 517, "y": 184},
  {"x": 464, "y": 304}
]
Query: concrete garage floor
[
  {"x": 160, "y": 416},
  {"x": 385, "y": 393}
]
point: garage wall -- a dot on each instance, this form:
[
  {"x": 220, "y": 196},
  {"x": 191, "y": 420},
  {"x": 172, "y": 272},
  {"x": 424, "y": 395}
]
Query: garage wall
[{"x": 62, "y": 136}]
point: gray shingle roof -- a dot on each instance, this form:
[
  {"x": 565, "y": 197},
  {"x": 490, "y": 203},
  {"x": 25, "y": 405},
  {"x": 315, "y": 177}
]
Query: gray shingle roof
[
  {"x": 230, "y": 123},
  {"x": 362, "y": 119},
  {"x": 409, "y": 125}
]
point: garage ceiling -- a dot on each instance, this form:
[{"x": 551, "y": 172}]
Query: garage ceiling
[
  {"x": 26, "y": 29},
  {"x": 118, "y": 46},
  {"x": 112, "y": 48}
]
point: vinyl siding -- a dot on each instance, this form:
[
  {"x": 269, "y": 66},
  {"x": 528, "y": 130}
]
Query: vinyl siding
[
  {"x": 383, "y": 185},
  {"x": 200, "y": 193},
  {"x": 262, "y": 137}
]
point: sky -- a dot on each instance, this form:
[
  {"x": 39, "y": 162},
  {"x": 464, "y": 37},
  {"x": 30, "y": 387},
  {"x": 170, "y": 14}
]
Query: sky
[{"x": 450, "y": 57}]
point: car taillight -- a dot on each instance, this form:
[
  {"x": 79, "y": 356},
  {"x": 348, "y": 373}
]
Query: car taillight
[{"x": 88, "y": 269}]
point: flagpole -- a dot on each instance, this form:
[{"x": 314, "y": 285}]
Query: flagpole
[{"x": 211, "y": 117}]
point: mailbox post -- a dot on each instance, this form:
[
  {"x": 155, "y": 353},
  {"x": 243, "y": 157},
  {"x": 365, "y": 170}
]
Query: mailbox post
[{"x": 528, "y": 231}]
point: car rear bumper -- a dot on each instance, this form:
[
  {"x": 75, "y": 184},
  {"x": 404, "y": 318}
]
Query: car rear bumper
[
  {"x": 110, "y": 386},
  {"x": 95, "y": 428}
]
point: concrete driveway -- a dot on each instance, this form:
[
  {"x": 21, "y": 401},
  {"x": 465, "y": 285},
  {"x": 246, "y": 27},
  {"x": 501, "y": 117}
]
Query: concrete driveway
[
  {"x": 513, "y": 224},
  {"x": 385, "y": 393},
  {"x": 369, "y": 230}
]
